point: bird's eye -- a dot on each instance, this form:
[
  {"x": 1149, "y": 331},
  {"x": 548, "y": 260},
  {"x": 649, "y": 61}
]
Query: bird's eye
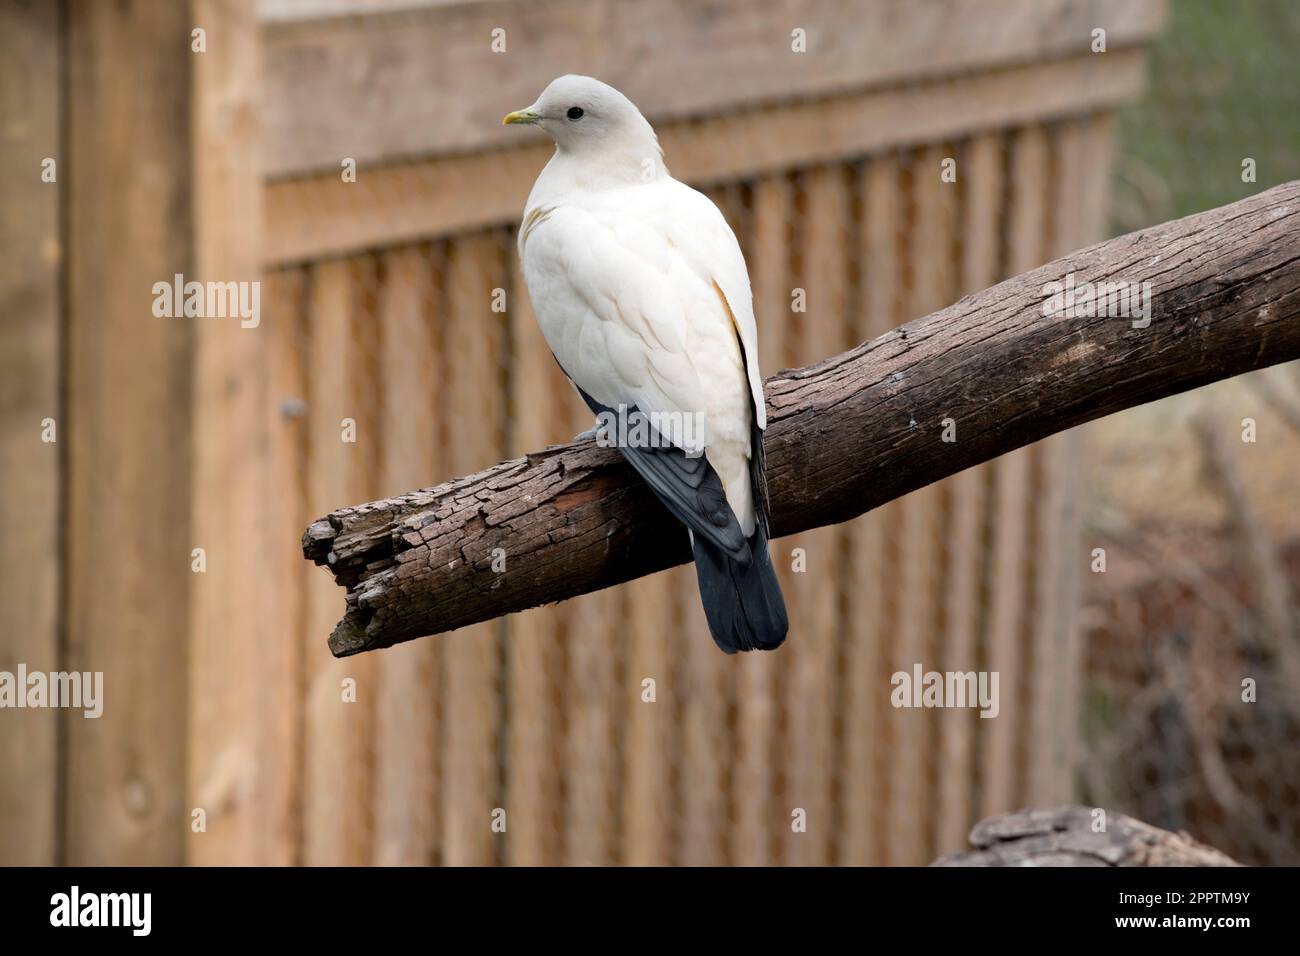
[{"x": 575, "y": 113}]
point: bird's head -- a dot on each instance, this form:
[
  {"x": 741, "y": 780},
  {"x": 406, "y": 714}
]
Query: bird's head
[{"x": 589, "y": 118}]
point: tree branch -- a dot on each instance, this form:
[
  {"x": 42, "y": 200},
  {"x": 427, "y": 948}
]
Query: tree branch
[{"x": 844, "y": 436}]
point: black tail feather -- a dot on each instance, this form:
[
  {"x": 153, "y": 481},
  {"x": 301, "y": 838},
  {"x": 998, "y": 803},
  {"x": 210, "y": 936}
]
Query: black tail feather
[
  {"x": 742, "y": 602},
  {"x": 738, "y": 586}
]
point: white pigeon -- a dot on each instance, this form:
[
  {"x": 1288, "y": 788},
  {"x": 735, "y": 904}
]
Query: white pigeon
[{"x": 642, "y": 294}]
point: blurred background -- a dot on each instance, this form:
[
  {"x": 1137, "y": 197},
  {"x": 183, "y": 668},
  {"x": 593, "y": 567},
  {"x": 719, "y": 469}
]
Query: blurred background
[{"x": 1123, "y": 578}]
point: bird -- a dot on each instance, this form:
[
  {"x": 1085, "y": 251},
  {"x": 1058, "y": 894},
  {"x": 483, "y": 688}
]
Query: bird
[{"x": 642, "y": 294}]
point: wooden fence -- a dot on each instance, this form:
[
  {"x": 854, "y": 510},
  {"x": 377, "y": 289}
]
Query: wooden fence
[{"x": 378, "y": 309}]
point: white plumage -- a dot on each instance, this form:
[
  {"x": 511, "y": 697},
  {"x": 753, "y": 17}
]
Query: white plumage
[{"x": 639, "y": 285}]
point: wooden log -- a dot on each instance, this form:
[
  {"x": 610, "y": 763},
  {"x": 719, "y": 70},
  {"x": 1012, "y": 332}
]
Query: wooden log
[
  {"x": 846, "y": 435},
  {"x": 1065, "y": 836}
]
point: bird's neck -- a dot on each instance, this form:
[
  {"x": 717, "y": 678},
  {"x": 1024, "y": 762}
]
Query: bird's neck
[{"x": 614, "y": 165}]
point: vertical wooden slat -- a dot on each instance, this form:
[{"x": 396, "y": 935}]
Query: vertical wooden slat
[
  {"x": 756, "y": 816},
  {"x": 980, "y": 184},
  {"x": 31, "y": 93},
  {"x": 534, "y": 638},
  {"x": 1012, "y": 582},
  {"x": 1036, "y": 776},
  {"x": 930, "y": 272},
  {"x": 1047, "y": 779},
  {"x": 914, "y": 554},
  {"x": 1087, "y": 151},
  {"x": 336, "y": 799},
  {"x": 1043, "y": 686},
  {"x": 474, "y": 392},
  {"x": 705, "y": 745},
  {"x": 129, "y": 402},
  {"x": 647, "y": 791},
  {"x": 872, "y": 601},
  {"x": 1099, "y": 145},
  {"x": 815, "y": 639},
  {"x": 594, "y": 639},
  {"x": 933, "y": 274},
  {"x": 406, "y": 728},
  {"x": 280, "y": 733},
  {"x": 232, "y": 774}
]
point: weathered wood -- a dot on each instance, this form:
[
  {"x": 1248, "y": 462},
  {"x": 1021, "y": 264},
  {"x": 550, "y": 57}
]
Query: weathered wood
[
  {"x": 822, "y": 237},
  {"x": 281, "y": 725},
  {"x": 1012, "y": 563},
  {"x": 846, "y": 435},
  {"x": 389, "y": 85},
  {"x": 980, "y": 175},
  {"x": 236, "y": 657},
  {"x": 321, "y": 215},
  {"x": 1065, "y": 836},
  {"x": 127, "y": 423},
  {"x": 922, "y": 619},
  {"x": 336, "y": 728},
  {"x": 474, "y": 400},
  {"x": 31, "y": 91},
  {"x": 650, "y": 727},
  {"x": 872, "y": 604},
  {"x": 406, "y": 725},
  {"x": 1081, "y": 169}
]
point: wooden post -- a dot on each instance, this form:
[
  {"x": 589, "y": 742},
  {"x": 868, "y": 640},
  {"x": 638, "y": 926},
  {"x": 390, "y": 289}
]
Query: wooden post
[
  {"x": 31, "y": 341},
  {"x": 127, "y": 426},
  {"x": 238, "y": 657}
]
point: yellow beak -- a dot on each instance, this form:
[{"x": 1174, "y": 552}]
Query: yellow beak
[{"x": 520, "y": 116}]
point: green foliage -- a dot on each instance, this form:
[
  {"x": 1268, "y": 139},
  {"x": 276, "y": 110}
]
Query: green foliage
[{"x": 1224, "y": 85}]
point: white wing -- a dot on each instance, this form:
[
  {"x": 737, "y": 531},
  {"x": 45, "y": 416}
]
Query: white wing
[
  {"x": 643, "y": 297},
  {"x": 701, "y": 236},
  {"x": 642, "y": 294}
]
